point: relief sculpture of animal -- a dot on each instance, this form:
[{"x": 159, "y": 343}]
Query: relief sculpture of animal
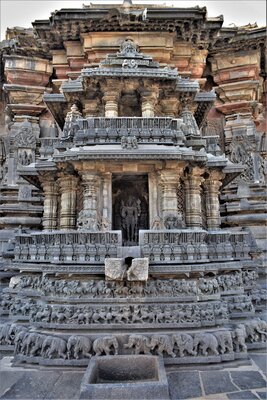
[
  {"x": 162, "y": 344},
  {"x": 205, "y": 343},
  {"x": 139, "y": 343},
  {"x": 184, "y": 343},
  {"x": 105, "y": 345},
  {"x": 225, "y": 342},
  {"x": 54, "y": 347},
  {"x": 79, "y": 347}
]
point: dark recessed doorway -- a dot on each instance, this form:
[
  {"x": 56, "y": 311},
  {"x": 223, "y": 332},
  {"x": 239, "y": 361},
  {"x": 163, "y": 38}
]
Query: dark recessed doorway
[{"x": 130, "y": 206}]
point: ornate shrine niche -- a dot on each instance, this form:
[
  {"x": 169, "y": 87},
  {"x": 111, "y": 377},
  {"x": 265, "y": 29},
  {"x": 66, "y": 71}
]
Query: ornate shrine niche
[
  {"x": 130, "y": 206},
  {"x": 130, "y": 104}
]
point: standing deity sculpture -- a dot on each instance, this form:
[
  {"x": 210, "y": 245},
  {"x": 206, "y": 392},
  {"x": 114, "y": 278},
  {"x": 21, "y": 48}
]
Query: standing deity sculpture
[{"x": 130, "y": 213}]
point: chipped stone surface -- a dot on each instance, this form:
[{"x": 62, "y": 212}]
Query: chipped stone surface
[
  {"x": 115, "y": 269},
  {"x": 179, "y": 386},
  {"x": 217, "y": 382},
  {"x": 248, "y": 379},
  {"x": 138, "y": 271}
]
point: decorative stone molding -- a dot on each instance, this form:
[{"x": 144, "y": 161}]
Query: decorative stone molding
[
  {"x": 72, "y": 116},
  {"x": 89, "y": 216},
  {"x": 192, "y": 183},
  {"x": 169, "y": 202},
  {"x": 212, "y": 189},
  {"x": 68, "y": 197},
  {"x": 50, "y": 188}
]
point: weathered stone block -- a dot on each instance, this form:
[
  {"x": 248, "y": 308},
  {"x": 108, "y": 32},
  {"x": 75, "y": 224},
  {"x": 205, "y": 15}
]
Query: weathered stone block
[
  {"x": 138, "y": 271},
  {"x": 115, "y": 269},
  {"x": 125, "y": 377}
]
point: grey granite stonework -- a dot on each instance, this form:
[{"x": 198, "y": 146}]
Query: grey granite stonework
[{"x": 132, "y": 206}]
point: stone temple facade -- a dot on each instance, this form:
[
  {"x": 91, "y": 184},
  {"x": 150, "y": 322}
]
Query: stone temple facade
[{"x": 133, "y": 150}]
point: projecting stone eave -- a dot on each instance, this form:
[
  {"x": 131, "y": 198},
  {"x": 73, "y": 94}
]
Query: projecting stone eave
[
  {"x": 31, "y": 172},
  {"x": 57, "y": 105},
  {"x": 231, "y": 171},
  {"x": 143, "y": 152},
  {"x": 68, "y": 24}
]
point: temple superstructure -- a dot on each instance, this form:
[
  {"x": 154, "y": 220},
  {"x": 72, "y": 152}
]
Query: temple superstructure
[{"x": 133, "y": 149}]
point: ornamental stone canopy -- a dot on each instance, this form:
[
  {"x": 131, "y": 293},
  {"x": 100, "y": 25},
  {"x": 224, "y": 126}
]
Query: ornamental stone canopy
[{"x": 133, "y": 167}]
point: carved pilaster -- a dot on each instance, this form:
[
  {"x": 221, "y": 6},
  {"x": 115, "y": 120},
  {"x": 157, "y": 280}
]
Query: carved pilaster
[
  {"x": 50, "y": 188},
  {"x": 148, "y": 104},
  {"x": 89, "y": 215},
  {"x": 91, "y": 108},
  {"x": 112, "y": 91},
  {"x": 169, "y": 199},
  {"x": 68, "y": 196},
  {"x": 107, "y": 202},
  {"x": 170, "y": 107},
  {"x": 211, "y": 187},
  {"x": 153, "y": 198},
  {"x": 192, "y": 184}
]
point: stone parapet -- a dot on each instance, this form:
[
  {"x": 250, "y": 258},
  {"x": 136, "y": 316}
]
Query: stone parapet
[
  {"x": 99, "y": 130},
  {"x": 179, "y": 246},
  {"x": 89, "y": 247}
]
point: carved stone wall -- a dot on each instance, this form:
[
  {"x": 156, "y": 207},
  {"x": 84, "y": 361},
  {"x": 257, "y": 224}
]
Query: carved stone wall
[{"x": 150, "y": 155}]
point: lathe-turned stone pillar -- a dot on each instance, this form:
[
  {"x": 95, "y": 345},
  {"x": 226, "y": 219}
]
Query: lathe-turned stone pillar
[
  {"x": 50, "y": 188},
  {"x": 153, "y": 198},
  {"x": 148, "y": 104},
  {"x": 169, "y": 201},
  {"x": 111, "y": 105},
  {"x": 91, "y": 108},
  {"x": 169, "y": 107},
  {"x": 193, "y": 213},
  {"x": 107, "y": 201},
  {"x": 68, "y": 195},
  {"x": 89, "y": 217},
  {"x": 211, "y": 187}
]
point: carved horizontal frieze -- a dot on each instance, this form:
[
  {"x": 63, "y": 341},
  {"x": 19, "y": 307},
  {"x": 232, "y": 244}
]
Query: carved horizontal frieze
[
  {"x": 89, "y": 247},
  {"x": 159, "y": 246},
  {"x": 178, "y": 246},
  {"x": 188, "y": 315},
  {"x": 100, "y": 289},
  {"x": 111, "y": 130},
  {"x": 33, "y": 347},
  {"x": 161, "y": 73}
]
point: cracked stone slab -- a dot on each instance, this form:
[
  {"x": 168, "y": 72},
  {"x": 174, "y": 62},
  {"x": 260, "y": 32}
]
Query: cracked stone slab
[
  {"x": 8, "y": 379},
  {"x": 262, "y": 395},
  {"x": 32, "y": 385},
  {"x": 248, "y": 379},
  {"x": 243, "y": 395},
  {"x": 138, "y": 271},
  {"x": 115, "y": 269},
  {"x": 184, "y": 385},
  {"x": 67, "y": 386},
  {"x": 261, "y": 361},
  {"x": 217, "y": 382}
]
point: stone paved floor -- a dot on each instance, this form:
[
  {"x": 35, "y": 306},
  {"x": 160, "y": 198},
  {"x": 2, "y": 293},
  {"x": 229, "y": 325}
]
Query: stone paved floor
[{"x": 221, "y": 382}]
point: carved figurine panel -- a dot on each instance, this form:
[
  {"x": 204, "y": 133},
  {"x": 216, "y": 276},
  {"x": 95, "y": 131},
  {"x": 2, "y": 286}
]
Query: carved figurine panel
[{"x": 130, "y": 206}]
